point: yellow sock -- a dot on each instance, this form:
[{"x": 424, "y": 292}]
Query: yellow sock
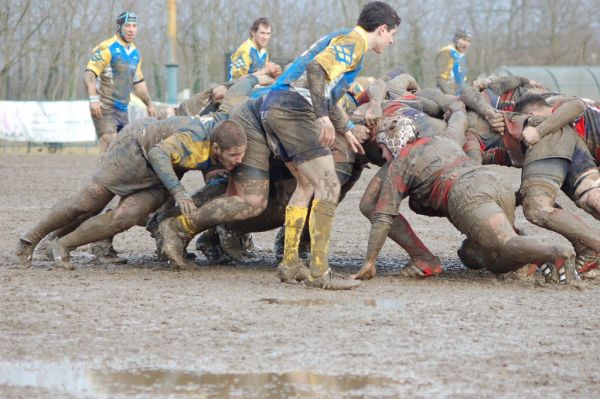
[
  {"x": 186, "y": 225},
  {"x": 319, "y": 225},
  {"x": 295, "y": 217}
]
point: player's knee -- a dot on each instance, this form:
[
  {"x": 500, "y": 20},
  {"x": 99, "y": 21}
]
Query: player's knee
[
  {"x": 366, "y": 207},
  {"x": 536, "y": 212}
]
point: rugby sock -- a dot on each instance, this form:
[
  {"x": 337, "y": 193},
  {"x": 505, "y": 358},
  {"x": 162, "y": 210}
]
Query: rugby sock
[
  {"x": 185, "y": 225},
  {"x": 319, "y": 225},
  {"x": 295, "y": 217}
]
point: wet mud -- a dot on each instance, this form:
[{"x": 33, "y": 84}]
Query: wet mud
[{"x": 144, "y": 330}]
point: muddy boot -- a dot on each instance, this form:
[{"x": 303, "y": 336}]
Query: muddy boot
[
  {"x": 417, "y": 268},
  {"x": 44, "y": 249},
  {"x": 586, "y": 261},
  {"x": 174, "y": 243},
  {"x": 24, "y": 253},
  {"x": 61, "y": 255},
  {"x": 331, "y": 281},
  {"x": 208, "y": 244},
  {"x": 231, "y": 244},
  {"x": 248, "y": 246},
  {"x": 105, "y": 252},
  {"x": 289, "y": 272},
  {"x": 561, "y": 273}
]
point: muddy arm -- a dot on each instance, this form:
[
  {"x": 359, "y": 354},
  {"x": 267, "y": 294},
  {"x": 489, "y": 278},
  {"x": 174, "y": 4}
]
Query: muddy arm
[
  {"x": 475, "y": 101},
  {"x": 503, "y": 84},
  {"x": 566, "y": 113},
  {"x": 435, "y": 103},
  {"x": 380, "y": 227},
  {"x": 457, "y": 124}
]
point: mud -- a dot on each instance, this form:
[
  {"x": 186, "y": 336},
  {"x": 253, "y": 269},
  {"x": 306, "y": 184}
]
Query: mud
[{"x": 143, "y": 330}]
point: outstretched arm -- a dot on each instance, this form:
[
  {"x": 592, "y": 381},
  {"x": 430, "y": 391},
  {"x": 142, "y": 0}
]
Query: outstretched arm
[{"x": 380, "y": 227}]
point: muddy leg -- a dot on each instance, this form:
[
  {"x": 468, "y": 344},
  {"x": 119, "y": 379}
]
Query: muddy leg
[
  {"x": 132, "y": 210},
  {"x": 86, "y": 203}
]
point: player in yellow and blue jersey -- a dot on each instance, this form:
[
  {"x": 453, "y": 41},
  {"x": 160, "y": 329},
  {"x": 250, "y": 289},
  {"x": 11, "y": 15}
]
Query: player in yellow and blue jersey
[
  {"x": 252, "y": 55},
  {"x": 451, "y": 63},
  {"x": 300, "y": 127},
  {"x": 115, "y": 66}
]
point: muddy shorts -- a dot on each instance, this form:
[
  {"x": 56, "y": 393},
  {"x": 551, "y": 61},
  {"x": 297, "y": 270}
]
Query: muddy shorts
[
  {"x": 111, "y": 121},
  {"x": 255, "y": 164},
  {"x": 124, "y": 169},
  {"x": 560, "y": 172},
  {"x": 291, "y": 122},
  {"x": 475, "y": 197}
]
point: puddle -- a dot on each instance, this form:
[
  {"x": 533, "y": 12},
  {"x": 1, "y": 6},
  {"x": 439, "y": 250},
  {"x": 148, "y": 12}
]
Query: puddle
[
  {"x": 382, "y": 303},
  {"x": 152, "y": 382},
  {"x": 385, "y": 303},
  {"x": 299, "y": 302}
]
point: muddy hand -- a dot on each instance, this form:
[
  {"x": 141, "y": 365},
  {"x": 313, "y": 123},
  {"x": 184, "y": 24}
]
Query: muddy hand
[
  {"x": 373, "y": 114},
  {"x": 367, "y": 272},
  {"x": 354, "y": 144},
  {"x": 186, "y": 204},
  {"x": 495, "y": 119},
  {"x": 531, "y": 135},
  {"x": 327, "y": 135},
  {"x": 218, "y": 93},
  {"x": 96, "y": 109}
]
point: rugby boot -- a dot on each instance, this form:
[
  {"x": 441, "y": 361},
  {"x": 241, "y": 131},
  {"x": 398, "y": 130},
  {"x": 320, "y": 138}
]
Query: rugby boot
[
  {"x": 419, "y": 269},
  {"x": 174, "y": 243},
  {"x": 331, "y": 281},
  {"x": 208, "y": 244},
  {"x": 60, "y": 254},
  {"x": 562, "y": 272},
  {"x": 24, "y": 253},
  {"x": 248, "y": 246},
  {"x": 43, "y": 249},
  {"x": 105, "y": 253},
  {"x": 586, "y": 260},
  {"x": 289, "y": 272},
  {"x": 231, "y": 244}
]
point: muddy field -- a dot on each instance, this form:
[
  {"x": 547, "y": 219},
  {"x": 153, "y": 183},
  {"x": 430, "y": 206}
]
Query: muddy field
[{"x": 223, "y": 331}]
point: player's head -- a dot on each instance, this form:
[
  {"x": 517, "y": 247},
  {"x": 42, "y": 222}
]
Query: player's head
[
  {"x": 462, "y": 39},
  {"x": 260, "y": 32},
  {"x": 395, "y": 132},
  {"x": 228, "y": 144},
  {"x": 127, "y": 25},
  {"x": 534, "y": 104},
  {"x": 381, "y": 20}
]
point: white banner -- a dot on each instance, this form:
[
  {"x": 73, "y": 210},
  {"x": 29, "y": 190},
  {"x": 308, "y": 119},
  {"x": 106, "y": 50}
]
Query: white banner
[{"x": 46, "y": 121}]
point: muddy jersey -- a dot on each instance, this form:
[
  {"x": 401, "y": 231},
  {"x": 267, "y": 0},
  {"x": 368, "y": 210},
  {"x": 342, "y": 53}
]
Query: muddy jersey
[
  {"x": 425, "y": 170},
  {"x": 119, "y": 67},
  {"x": 340, "y": 54},
  {"x": 587, "y": 125},
  {"x": 247, "y": 59}
]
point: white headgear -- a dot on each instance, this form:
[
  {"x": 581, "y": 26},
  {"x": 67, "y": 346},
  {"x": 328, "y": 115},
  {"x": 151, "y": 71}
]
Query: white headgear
[{"x": 395, "y": 132}]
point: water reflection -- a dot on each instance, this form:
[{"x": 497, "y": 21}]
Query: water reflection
[
  {"x": 62, "y": 378},
  {"x": 381, "y": 303}
]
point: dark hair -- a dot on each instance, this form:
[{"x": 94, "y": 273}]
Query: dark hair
[
  {"x": 261, "y": 21},
  {"x": 528, "y": 100},
  {"x": 228, "y": 134},
  {"x": 377, "y": 13}
]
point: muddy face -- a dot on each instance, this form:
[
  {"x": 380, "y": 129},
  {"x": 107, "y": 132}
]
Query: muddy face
[{"x": 231, "y": 157}]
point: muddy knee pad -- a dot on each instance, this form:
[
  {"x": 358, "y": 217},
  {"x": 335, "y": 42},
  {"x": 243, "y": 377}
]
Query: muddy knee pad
[{"x": 538, "y": 199}]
